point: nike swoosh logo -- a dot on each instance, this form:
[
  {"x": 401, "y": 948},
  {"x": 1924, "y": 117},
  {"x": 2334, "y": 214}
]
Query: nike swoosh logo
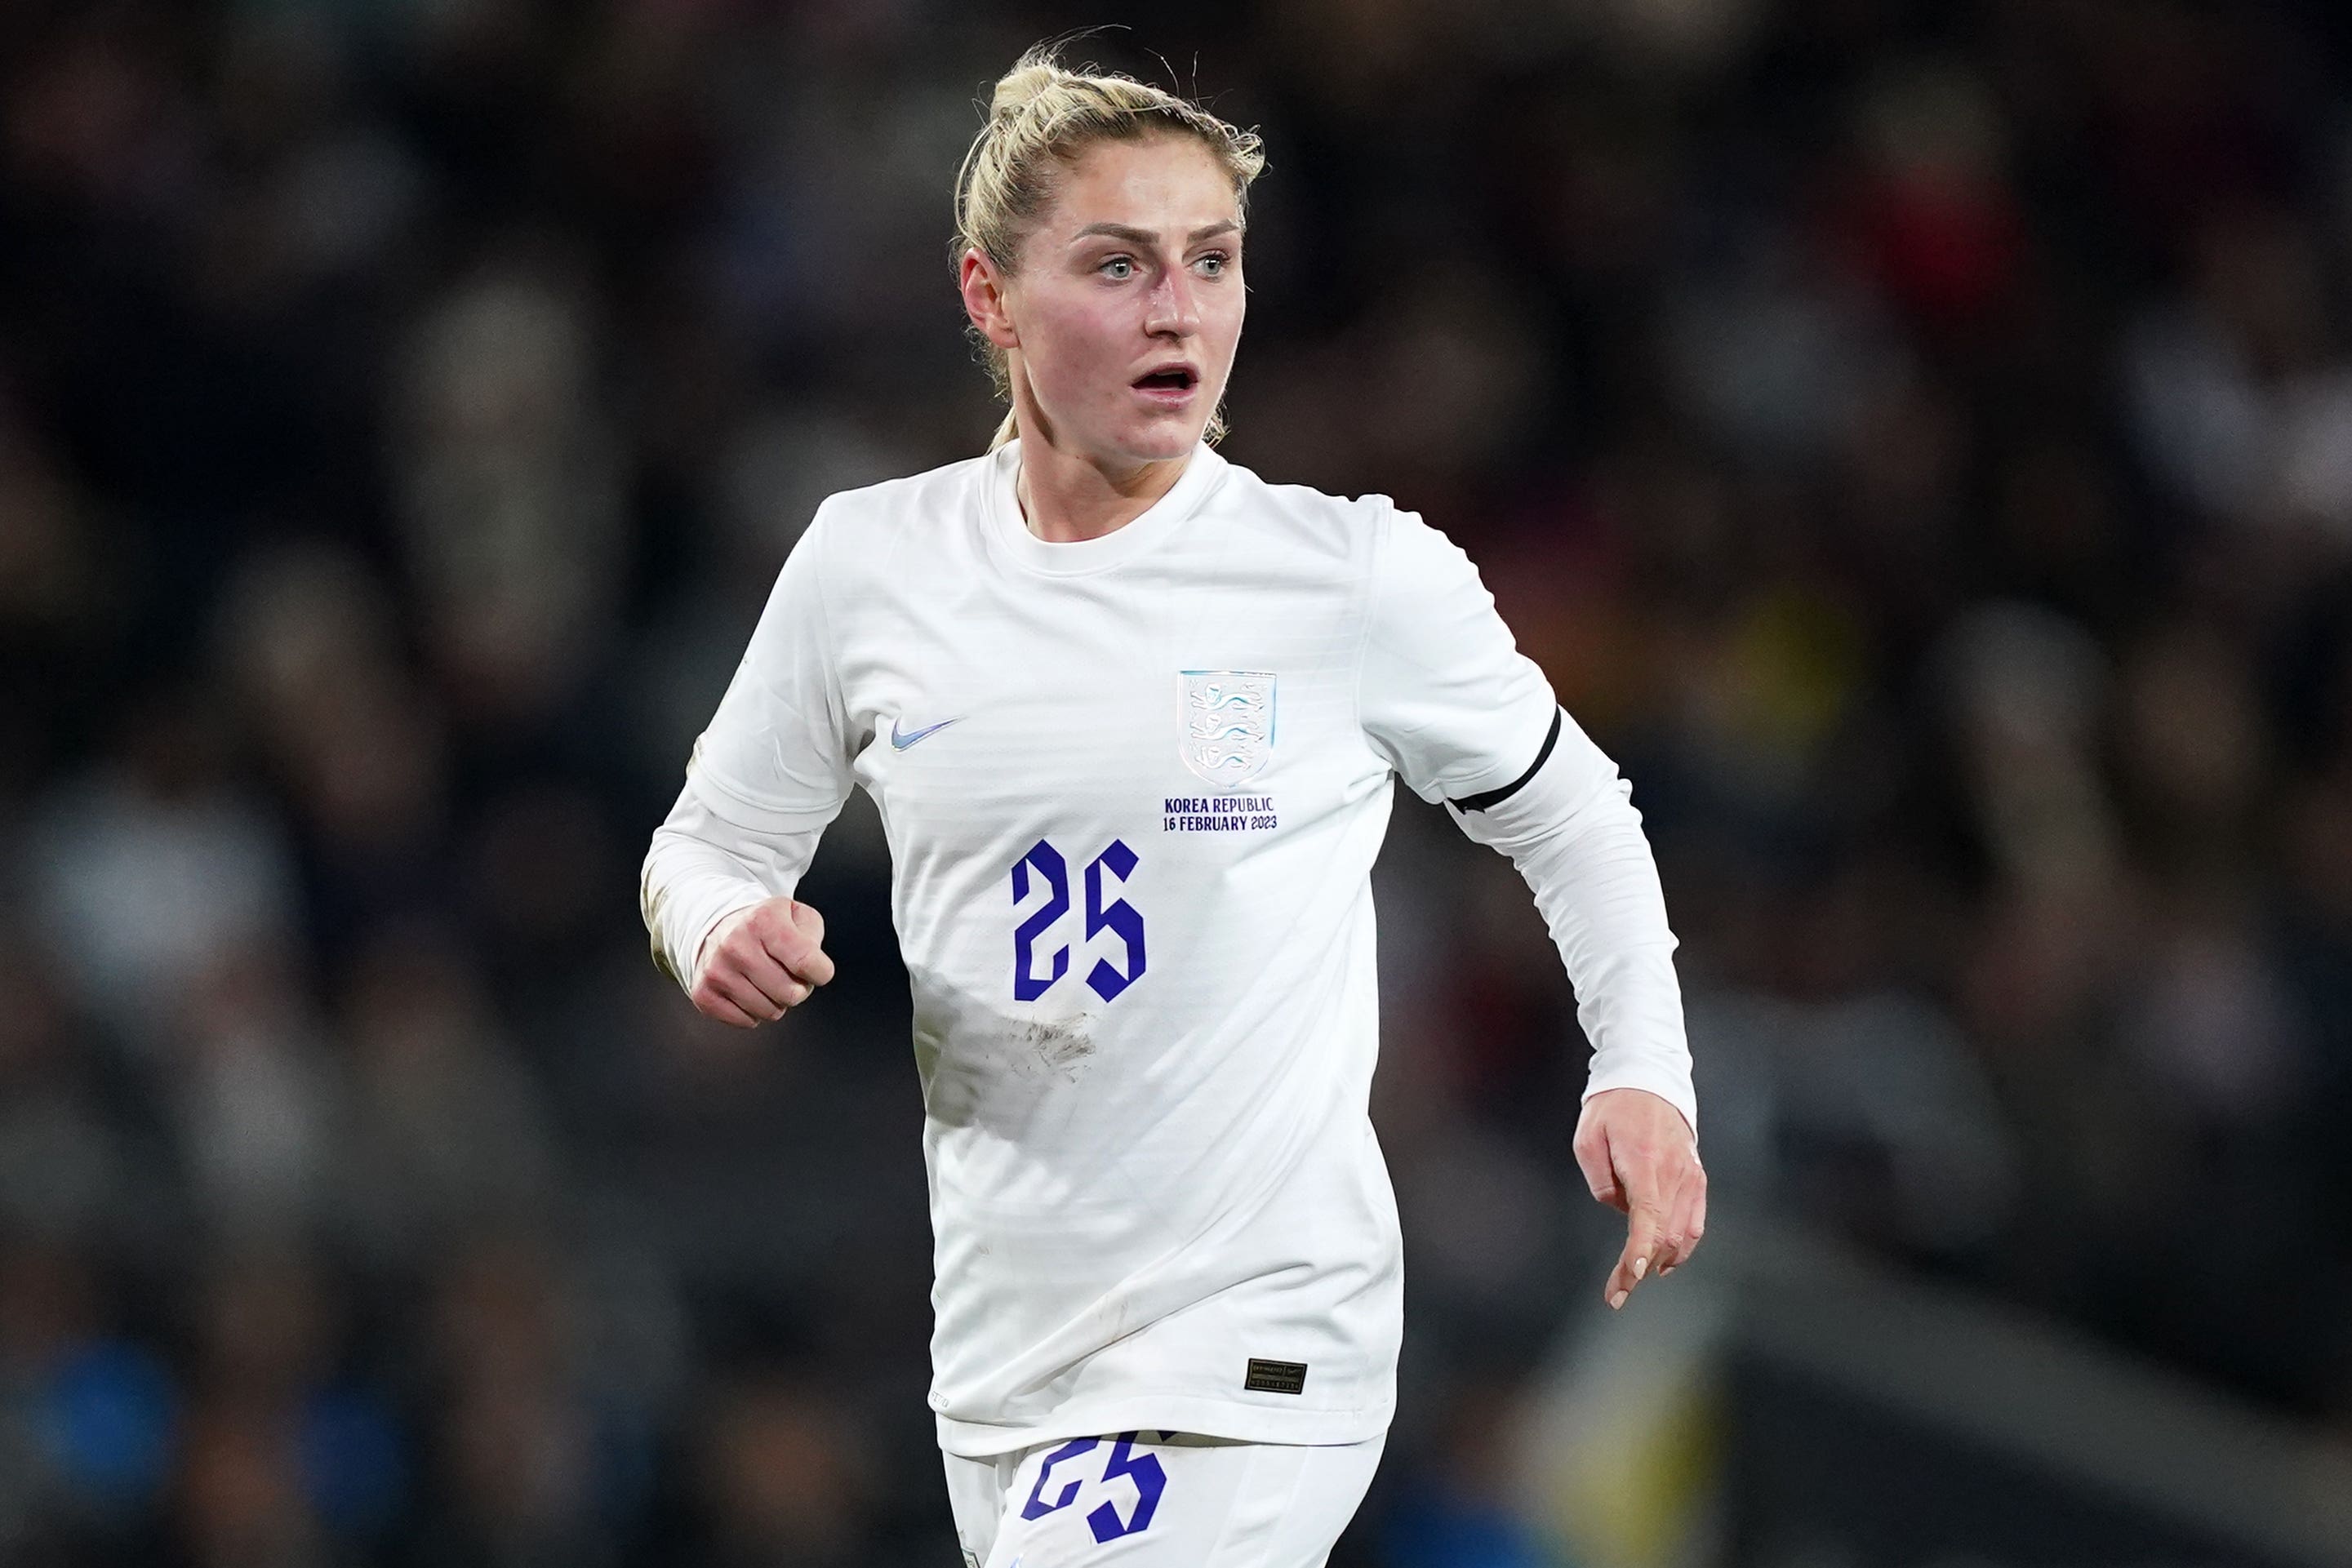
[{"x": 902, "y": 739}]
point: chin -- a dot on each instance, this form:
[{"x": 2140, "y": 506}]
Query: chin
[{"x": 1158, "y": 443}]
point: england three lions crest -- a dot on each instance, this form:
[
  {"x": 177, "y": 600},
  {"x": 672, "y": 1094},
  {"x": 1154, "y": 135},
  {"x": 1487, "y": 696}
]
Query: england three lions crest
[{"x": 1228, "y": 724}]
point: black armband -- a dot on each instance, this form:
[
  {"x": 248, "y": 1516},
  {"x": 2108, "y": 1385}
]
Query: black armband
[{"x": 1487, "y": 797}]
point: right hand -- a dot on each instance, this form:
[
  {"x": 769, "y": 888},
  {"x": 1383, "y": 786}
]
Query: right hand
[{"x": 760, "y": 962}]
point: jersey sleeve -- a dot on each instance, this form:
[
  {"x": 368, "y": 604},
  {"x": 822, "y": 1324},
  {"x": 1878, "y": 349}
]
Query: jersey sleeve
[
  {"x": 1446, "y": 698},
  {"x": 776, "y": 755},
  {"x": 1464, "y": 716},
  {"x": 700, "y": 869}
]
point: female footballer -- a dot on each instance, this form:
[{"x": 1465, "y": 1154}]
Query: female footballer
[{"x": 1131, "y": 714}]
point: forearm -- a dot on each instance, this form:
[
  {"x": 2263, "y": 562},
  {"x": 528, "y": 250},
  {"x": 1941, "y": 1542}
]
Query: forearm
[
  {"x": 701, "y": 868},
  {"x": 1574, "y": 835}
]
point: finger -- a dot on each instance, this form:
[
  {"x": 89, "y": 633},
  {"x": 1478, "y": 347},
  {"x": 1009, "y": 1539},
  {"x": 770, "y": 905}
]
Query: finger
[
  {"x": 1695, "y": 1227},
  {"x": 809, "y": 921},
  {"x": 1674, "y": 1243},
  {"x": 1689, "y": 1221},
  {"x": 709, "y": 1003},
  {"x": 1633, "y": 1263},
  {"x": 1674, "y": 1217},
  {"x": 742, "y": 992},
  {"x": 773, "y": 980}
]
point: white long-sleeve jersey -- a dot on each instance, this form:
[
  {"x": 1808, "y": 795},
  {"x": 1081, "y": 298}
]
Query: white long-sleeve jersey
[{"x": 1133, "y": 787}]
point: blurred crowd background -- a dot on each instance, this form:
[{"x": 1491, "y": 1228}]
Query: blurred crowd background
[{"x": 1916, "y": 438}]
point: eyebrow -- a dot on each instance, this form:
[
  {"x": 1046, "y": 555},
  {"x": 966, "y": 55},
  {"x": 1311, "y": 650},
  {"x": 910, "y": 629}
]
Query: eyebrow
[{"x": 1133, "y": 236}]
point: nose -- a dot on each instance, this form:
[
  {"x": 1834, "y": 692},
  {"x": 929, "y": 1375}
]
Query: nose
[{"x": 1174, "y": 311}]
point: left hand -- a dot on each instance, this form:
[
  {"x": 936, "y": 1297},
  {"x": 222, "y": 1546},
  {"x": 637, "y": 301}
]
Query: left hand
[{"x": 1640, "y": 1158}]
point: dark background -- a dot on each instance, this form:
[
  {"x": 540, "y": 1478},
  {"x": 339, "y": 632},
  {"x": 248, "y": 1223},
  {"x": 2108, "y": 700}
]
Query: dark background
[{"x": 1916, "y": 439}]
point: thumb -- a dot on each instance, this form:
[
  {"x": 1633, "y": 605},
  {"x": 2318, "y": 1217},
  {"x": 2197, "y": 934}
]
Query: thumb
[
  {"x": 796, "y": 944},
  {"x": 1592, "y": 1157}
]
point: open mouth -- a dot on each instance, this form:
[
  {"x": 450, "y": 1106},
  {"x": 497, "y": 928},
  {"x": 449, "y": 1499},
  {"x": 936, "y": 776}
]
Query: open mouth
[{"x": 1175, "y": 380}]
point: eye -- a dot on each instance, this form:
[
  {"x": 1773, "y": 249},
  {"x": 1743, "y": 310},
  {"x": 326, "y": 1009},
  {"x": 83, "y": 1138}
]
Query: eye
[
  {"x": 1215, "y": 262},
  {"x": 1119, "y": 269}
]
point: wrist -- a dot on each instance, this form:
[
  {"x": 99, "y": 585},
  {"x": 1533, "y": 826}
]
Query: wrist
[{"x": 1678, "y": 1098}]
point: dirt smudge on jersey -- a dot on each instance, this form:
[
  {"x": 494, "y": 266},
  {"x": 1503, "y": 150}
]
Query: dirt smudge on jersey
[
  {"x": 1060, "y": 1048},
  {"x": 1004, "y": 1072}
]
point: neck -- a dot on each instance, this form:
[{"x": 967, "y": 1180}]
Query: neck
[{"x": 1066, "y": 496}]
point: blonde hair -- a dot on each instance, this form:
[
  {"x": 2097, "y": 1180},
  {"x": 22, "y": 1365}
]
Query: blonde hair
[{"x": 1042, "y": 115}]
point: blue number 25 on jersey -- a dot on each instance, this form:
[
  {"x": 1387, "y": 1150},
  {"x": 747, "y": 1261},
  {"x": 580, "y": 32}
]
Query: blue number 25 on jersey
[{"x": 1118, "y": 916}]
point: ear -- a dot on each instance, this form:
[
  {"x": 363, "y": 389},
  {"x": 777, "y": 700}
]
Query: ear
[{"x": 983, "y": 299}]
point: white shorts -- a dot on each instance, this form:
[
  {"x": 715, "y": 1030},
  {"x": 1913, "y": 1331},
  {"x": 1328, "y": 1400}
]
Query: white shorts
[{"x": 1151, "y": 1499}]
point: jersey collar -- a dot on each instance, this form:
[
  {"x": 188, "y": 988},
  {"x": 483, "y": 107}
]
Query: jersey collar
[{"x": 1075, "y": 558}]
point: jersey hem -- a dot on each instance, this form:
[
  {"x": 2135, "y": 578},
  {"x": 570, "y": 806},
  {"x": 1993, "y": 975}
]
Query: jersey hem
[{"x": 1201, "y": 1417}]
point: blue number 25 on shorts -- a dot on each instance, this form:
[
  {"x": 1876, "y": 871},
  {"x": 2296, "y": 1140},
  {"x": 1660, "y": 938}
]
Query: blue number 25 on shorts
[{"x": 1144, "y": 1470}]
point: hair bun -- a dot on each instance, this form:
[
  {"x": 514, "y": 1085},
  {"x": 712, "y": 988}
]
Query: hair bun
[{"x": 1022, "y": 86}]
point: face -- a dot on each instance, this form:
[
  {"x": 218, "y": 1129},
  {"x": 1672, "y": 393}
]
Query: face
[{"x": 1122, "y": 320}]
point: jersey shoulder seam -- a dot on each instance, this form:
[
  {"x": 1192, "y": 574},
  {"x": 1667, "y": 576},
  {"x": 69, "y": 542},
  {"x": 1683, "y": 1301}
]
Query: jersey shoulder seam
[
  {"x": 819, "y": 537},
  {"x": 1383, "y": 526}
]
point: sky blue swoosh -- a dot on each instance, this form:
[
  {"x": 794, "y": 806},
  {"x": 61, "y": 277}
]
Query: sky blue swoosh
[{"x": 899, "y": 740}]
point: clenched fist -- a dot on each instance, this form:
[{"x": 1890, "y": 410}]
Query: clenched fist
[{"x": 760, "y": 962}]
